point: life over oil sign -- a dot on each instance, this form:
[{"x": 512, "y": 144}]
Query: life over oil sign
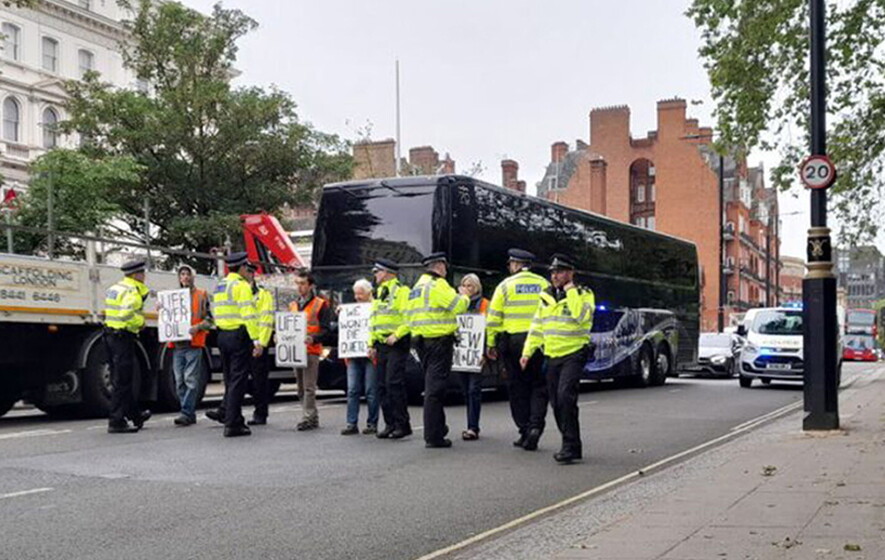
[{"x": 817, "y": 172}]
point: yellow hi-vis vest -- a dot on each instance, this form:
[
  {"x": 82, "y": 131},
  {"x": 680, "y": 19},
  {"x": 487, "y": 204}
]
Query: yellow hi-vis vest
[
  {"x": 123, "y": 305},
  {"x": 514, "y": 304},
  {"x": 561, "y": 327},
  {"x": 433, "y": 306},
  {"x": 389, "y": 312},
  {"x": 265, "y": 306},
  {"x": 232, "y": 305}
]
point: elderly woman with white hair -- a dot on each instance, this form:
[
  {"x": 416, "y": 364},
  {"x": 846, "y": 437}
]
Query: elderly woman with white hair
[
  {"x": 361, "y": 377},
  {"x": 471, "y": 383}
]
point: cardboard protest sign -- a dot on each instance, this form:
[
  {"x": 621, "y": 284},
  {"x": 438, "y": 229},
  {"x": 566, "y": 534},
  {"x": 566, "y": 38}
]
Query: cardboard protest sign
[
  {"x": 471, "y": 343},
  {"x": 353, "y": 330},
  {"x": 174, "y": 315},
  {"x": 291, "y": 328}
]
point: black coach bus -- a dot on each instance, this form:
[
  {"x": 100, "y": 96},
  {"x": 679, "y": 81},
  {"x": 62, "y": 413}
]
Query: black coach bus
[{"x": 646, "y": 283}]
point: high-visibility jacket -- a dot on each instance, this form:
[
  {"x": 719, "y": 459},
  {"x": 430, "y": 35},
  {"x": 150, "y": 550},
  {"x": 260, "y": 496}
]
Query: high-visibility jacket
[
  {"x": 514, "y": 304},
  {"x": 389, "y": 312},
  {"x": 562, "y": 327},
  {"x": 233, "y": 307},
  {"x": 312, "y": 310},
  {"x": 123, "y": 305},
  {"x": 199, "y": 313},
  {"x": 265, "y": 306},
  {"x": 433, "y": 305}
]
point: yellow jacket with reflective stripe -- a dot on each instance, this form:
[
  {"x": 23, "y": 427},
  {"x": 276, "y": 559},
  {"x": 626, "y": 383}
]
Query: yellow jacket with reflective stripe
[
  {"x": 562, "y": 327},
  {"x": 123, "y": 305},
  {"x": 265, "y": 306},
  {"x": 433, "y": 306},
  {"x": 233, "y": 307},
  {"x": 389, "y": 312},
  {"x": 514, "y": 304}
]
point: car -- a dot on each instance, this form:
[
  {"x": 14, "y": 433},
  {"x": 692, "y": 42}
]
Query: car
[
  {"x": 860, "y": 347},
  {"x": 717, "y": 353},
  {"x": 774, "y": 346}
]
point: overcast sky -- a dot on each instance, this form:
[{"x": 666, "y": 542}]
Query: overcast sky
[{"x": 483, "y": 79}]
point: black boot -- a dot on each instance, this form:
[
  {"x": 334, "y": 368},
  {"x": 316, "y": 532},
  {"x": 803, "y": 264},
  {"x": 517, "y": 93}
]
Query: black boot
[
  {"x": 237, "y": 431},
  {"x": 566, "y": 457},
  {"x": 531, "y": 440}
]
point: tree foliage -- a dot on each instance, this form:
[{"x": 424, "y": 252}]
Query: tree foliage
[
  {"x": 756, "y": 53},
  {"x": 207, "y": 151},
  {"x": 82, "y": 190}
]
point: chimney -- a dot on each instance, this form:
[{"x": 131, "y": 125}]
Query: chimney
[
  {"x": 558, "y": 151},
  {"x": 509, "y": 174},
  {"x": 598, "y": 185},
  {"x": 448, "y": 165}
]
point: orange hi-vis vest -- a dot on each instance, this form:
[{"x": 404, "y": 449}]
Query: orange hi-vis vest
[
  {"x": 198, "y": 339},
  {"x": 312, "y": 313}
]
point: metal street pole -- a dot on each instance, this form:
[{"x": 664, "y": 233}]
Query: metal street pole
[
  {"x": 723, "y": 289},
  {"x": 819, "y": 284},
  {"x": 10, "y": 246},
  {"x": 50, "y": 222}
]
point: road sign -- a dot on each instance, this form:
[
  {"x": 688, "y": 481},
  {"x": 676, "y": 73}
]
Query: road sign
[{"x": 818, "y": 172}]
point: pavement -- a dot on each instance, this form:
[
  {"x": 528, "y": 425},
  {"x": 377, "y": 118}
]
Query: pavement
[{"x": 775, "y": 493}]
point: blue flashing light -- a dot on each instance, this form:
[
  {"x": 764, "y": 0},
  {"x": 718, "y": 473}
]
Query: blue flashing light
[
  {"x": 767, "y": 350},
  {"x": 793, "y": 305},
  {"x": 601, "y": 307}
]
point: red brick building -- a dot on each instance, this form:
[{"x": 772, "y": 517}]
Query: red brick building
[
  {"x": 791, "y": 279},
  {"x": 668, "y": 181}
]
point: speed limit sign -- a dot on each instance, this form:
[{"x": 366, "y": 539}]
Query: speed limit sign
[{"x": 818, "y": 172}]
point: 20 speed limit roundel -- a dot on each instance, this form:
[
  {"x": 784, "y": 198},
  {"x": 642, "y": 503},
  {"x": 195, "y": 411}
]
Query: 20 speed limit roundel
[{"x": 818, "y": 172}]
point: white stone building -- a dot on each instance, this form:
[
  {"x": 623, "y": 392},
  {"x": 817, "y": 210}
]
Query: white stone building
[{"x": 55, "y": 41}]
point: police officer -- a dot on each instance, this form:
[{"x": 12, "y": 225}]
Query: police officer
[
  {"x": 561, "y": 327},
  {"x": 265, "y": 306},
  {"x": 124, "y": 318},
  {"x": 239, "y": 338},
  {"x": 510, "y": 315},
  {"x": 433, "y": 306},
  {"x": 389, "y": 345}
]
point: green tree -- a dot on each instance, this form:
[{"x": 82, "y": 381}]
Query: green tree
[
  {"x": 756, "y": 55},
  {"x": 209, "y": 151},
  {"x": 83, "y": 187}
]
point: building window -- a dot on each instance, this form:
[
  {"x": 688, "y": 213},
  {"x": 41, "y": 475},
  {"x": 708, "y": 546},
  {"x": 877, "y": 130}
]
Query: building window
[
  {"x": 86, "y": 60},
  {"x": 50, "y": 54},
  {"x": 85, "y": 4},
  {"x": 640, "y": 193},
  {"x": 12, "y": 36},
  {"x": 651, "y": 197},
  {"x": 50, "y": 130},
  {"x": 650, "y": 222},
  {"x": 642, "y": 181},
  {"x": 11, "y": 119}
]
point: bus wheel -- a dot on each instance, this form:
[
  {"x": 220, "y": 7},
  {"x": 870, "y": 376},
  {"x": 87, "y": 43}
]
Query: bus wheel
[
  {"x": 644, "y": 367},
  {"x": 167, "y": 394},
  {"x": 663, "y": 365},
  {"x": 273, "y": 387}
]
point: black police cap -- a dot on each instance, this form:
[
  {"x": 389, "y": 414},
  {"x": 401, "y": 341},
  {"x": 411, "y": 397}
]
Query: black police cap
[
  {"x": 561, "y": 261},
  {"x": 386, "y": 265},
  {"x": 435, "y": 257},
  {"x": 133, "y": 266},
  {"x": 236, "y": 260},
  {"x": 520, "y": 256}
]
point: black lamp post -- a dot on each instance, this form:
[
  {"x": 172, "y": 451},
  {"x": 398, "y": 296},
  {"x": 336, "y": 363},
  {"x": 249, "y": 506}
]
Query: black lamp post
[{"x": 819, "y": 285}]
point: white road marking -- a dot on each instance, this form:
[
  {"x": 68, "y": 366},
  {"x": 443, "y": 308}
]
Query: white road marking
[
  {"x": 34, "y": 433},
  {"x": 25, "y": 493},
  {"x": 587, "y": 403}
]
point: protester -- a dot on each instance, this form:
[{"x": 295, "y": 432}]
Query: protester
[
  {"x": 361, "y": 377},
  {"x": 471, "y": 382},
  {"x": 187, "y": 355},
  {"x": 319, "y": 327}
]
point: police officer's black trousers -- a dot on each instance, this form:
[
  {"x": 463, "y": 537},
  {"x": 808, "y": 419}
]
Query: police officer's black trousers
[
  {"x": 236, "y": 359},
  {"x": 564, "y": 378},
  {"x": 120, "y": 346},
  {"x": 436, "y": 362},
  {"x": 527, "y": 388},
  {"x": 260, "y": 396},
  {"x": 391, "y": 368}
]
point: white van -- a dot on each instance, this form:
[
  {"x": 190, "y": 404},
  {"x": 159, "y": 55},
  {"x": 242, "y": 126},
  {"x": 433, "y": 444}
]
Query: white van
[{"x": 773, "y": 346}]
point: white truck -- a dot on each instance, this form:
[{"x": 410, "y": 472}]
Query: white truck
[{"x": 51, "y": 348}]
